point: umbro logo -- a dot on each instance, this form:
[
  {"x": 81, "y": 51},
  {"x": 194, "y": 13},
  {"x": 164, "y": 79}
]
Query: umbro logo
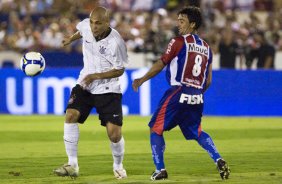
[
  {"x": 72, "y": 98},
  {"x": 87, "y": 41},
  {"x": 115, "y": 115}
]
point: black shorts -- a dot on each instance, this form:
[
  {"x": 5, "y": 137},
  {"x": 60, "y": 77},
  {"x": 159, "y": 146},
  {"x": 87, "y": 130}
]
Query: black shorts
[{"x": 107, "y": 105}]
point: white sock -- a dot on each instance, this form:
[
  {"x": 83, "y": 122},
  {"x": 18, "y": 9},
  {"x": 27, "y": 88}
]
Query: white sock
[
  {"x": 71, "y": 136},
  {"x": 118, "y": 153}
]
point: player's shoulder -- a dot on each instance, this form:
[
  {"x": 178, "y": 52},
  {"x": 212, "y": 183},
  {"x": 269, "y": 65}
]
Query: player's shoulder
[
  {"x": 86, "y": 20},
  {"x": 176, "y": 41},
  {"x": 115, "y": 34},
  {"x": 84, "y": 23},
  {"x": 115, "y": 37},
  {"x": 175, "y": 45},
  {"x": 203, "y": 41}
]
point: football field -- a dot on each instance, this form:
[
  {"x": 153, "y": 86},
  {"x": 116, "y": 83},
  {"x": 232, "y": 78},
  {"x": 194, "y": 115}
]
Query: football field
[{"x": 32, "y": 146}]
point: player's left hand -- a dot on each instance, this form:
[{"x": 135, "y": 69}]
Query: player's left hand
[
  {"x": 136, "y": 83},
  {"x": 89, "y": 79}
]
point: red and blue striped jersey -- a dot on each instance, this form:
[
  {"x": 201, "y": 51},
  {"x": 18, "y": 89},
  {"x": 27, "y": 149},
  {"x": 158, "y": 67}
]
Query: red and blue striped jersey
[{"x": 187, "y": 58}]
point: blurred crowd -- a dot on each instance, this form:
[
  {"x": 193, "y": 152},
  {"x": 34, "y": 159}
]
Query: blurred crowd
[{"x": 233, "y": 28}]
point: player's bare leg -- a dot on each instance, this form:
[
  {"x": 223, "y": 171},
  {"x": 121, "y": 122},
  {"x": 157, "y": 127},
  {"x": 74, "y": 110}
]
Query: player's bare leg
[{"x": 117, "y": 146}]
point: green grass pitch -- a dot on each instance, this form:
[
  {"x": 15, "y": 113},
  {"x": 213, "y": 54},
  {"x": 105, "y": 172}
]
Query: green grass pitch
[{"x": 32, "y": 146}]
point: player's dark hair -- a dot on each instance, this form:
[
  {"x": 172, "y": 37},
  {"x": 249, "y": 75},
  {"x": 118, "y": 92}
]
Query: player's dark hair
[{"x": 193, "y": 14}]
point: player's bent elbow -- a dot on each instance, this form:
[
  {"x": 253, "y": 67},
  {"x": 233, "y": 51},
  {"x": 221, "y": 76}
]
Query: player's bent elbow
[{"x": 207, "y": 85}]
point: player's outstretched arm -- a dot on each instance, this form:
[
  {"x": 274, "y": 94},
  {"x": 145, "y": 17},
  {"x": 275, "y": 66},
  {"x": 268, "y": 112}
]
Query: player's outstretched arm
[
  {"x": 154, "y": 70},
  {"x": 67, "y": 40}
]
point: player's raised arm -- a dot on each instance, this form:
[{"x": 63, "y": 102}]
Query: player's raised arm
[
  {"x": 67, "y": 40},
  {"x": 154, "y": 70}
]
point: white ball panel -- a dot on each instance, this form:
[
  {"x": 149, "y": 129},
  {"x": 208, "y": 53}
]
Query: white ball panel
[
  {"x": 32, "y": 69},
  {"x": 33, "y": 56}
]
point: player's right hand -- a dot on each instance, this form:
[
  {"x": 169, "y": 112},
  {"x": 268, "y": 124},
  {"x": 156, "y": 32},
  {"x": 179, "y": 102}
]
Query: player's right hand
[{"x": 66, "y": 41}]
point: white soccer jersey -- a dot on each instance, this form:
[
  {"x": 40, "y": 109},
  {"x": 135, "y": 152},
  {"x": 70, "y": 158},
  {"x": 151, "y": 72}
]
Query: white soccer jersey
[{"x": 102, "y": 56}]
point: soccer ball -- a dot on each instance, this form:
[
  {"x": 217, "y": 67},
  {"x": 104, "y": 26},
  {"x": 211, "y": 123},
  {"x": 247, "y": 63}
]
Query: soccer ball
[{"x": 32, "y": 63}]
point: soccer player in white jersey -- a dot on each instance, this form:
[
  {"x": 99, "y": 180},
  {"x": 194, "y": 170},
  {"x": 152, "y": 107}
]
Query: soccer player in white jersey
[{"x": 104, "y": 57}]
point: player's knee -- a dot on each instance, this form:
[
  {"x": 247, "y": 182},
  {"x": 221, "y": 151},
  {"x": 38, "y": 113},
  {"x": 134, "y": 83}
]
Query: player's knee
[
  {"x": 72, "y": 116},
  {"x": 114, "y": 138},
  {"x": 114, "y": 132}
]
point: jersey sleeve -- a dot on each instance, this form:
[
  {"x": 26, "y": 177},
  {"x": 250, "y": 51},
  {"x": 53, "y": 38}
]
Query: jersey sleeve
[
  {"x": 172, "y": 50},
  {"x": 81, "y": 26}
]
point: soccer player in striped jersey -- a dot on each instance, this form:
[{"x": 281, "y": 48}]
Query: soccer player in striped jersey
[
  {"x": 188, "y": 61},
  {"x": 98, "y": 86}
]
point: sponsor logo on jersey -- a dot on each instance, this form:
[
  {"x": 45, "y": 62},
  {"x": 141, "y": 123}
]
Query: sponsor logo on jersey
[
  {"x": 197, "y": 48},
  {"x": 169, "y": 46},
  {"x": 193, "y": 81},
  {"x": 191, "y": 99}
]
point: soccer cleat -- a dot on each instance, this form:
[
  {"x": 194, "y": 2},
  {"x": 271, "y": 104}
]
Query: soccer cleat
[
  {"x": 67, "y": 170},
  {"x": 159, "y": 175},
  {"x": 120, "y": 173},
  {"x": 223, "y": 168}
]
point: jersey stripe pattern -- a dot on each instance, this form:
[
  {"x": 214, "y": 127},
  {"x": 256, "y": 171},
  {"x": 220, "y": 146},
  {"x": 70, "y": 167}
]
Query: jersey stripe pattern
[{"x": 187, "y": 58}]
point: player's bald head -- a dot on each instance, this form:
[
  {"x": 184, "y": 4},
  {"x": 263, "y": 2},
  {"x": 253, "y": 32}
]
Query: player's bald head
[{"x": 100, "y": 13}]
